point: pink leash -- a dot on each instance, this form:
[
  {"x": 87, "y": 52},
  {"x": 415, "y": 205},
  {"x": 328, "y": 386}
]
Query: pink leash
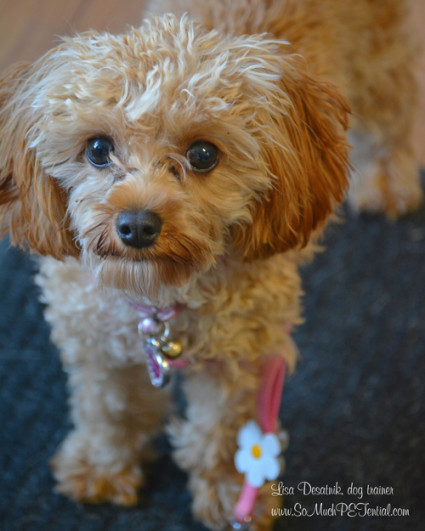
[{"x": 269, "y": 400}]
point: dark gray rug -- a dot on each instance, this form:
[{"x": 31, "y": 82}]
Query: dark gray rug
[{"x": 355, "y": 409}]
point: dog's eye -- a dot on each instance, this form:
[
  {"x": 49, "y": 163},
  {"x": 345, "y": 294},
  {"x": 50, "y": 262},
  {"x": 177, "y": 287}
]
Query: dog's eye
[
  {"x": 202, "y": 156},
  {"x": 98, "y": 151}
]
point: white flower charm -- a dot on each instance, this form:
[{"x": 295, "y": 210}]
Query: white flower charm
[{"x": 257, "y": 456}]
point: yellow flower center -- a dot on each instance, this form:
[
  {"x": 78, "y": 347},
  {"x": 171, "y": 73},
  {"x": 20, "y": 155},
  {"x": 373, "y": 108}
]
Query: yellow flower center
[{"x": 256, "y": 451}]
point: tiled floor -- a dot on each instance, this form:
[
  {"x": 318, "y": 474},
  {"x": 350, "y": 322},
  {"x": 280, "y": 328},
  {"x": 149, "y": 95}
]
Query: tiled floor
[{"x": 30, "y": 27}]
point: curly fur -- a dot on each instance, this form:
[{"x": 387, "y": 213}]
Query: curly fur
[{"x": 270, "y": 83}]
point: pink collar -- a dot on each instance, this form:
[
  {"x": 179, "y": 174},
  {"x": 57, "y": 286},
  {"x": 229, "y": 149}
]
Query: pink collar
[{"x": 162, "y": 314}]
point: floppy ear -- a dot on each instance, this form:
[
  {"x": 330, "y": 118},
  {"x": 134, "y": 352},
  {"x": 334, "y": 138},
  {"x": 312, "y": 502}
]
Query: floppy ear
[
  {"x": 32, "y": 206},
  {"x": 301, "y": 131}
]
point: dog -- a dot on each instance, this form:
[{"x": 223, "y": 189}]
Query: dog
[{"x": 172, "y": 180}]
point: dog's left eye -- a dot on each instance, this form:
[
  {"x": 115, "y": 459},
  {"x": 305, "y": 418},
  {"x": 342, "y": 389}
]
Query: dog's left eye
[
  {"x": 99, "y": 150},
  {"x": 202, "y": 156}
]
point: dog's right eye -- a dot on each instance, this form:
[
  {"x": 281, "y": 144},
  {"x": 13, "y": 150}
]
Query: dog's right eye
[{"x": 99, "y": 150}]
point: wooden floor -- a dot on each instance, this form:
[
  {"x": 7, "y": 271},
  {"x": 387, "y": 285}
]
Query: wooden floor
[{"x": 28, "y": 28}]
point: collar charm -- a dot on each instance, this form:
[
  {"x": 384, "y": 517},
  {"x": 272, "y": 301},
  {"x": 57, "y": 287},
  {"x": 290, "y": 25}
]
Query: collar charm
[{"x": 159, "y": 347}]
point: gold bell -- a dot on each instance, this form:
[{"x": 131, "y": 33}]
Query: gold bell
[{"x": 172, "y": 349}]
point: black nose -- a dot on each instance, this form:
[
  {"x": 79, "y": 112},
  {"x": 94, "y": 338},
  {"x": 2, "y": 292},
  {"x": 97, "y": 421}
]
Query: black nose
[{"x": 138, "y": 228}]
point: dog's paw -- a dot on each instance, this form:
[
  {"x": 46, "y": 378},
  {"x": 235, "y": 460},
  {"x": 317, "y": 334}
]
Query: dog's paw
[
  {"x": 83, "y": 478},
  {"x": 380, "y": 196},
  {"x": 391, "y": 187},
  {"x": 214, "y": 503}
]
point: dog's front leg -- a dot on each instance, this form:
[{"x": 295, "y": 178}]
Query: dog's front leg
[
  {"x": 115, "y": 411},
  {"x": 206, "y": 442}
]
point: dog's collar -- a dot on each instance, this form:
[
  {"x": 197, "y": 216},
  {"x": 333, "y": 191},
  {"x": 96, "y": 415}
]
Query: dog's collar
[
  {"x": 162, "y": 351},
  {"x": 164, "y": 313}
]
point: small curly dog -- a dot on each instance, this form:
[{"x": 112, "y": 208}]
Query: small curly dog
[{"x": 173, "y": 179}]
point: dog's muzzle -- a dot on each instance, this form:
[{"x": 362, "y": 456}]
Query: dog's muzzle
[{"x": 138, "y": 228}]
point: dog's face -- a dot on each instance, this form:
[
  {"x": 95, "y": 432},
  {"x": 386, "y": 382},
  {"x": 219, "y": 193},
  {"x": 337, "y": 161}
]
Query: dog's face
[{"x": 152, "y": 154}]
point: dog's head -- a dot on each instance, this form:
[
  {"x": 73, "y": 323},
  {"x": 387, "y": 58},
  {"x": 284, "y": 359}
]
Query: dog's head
[{"x": 153, "y": 153}]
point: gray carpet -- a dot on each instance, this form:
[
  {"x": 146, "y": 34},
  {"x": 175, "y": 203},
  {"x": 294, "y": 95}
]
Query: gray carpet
[{"x": 355, "y": 409}]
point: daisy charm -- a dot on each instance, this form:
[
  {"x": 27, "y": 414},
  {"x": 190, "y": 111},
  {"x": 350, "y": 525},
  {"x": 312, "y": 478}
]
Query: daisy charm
[{"x": 257, "y": 456}]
